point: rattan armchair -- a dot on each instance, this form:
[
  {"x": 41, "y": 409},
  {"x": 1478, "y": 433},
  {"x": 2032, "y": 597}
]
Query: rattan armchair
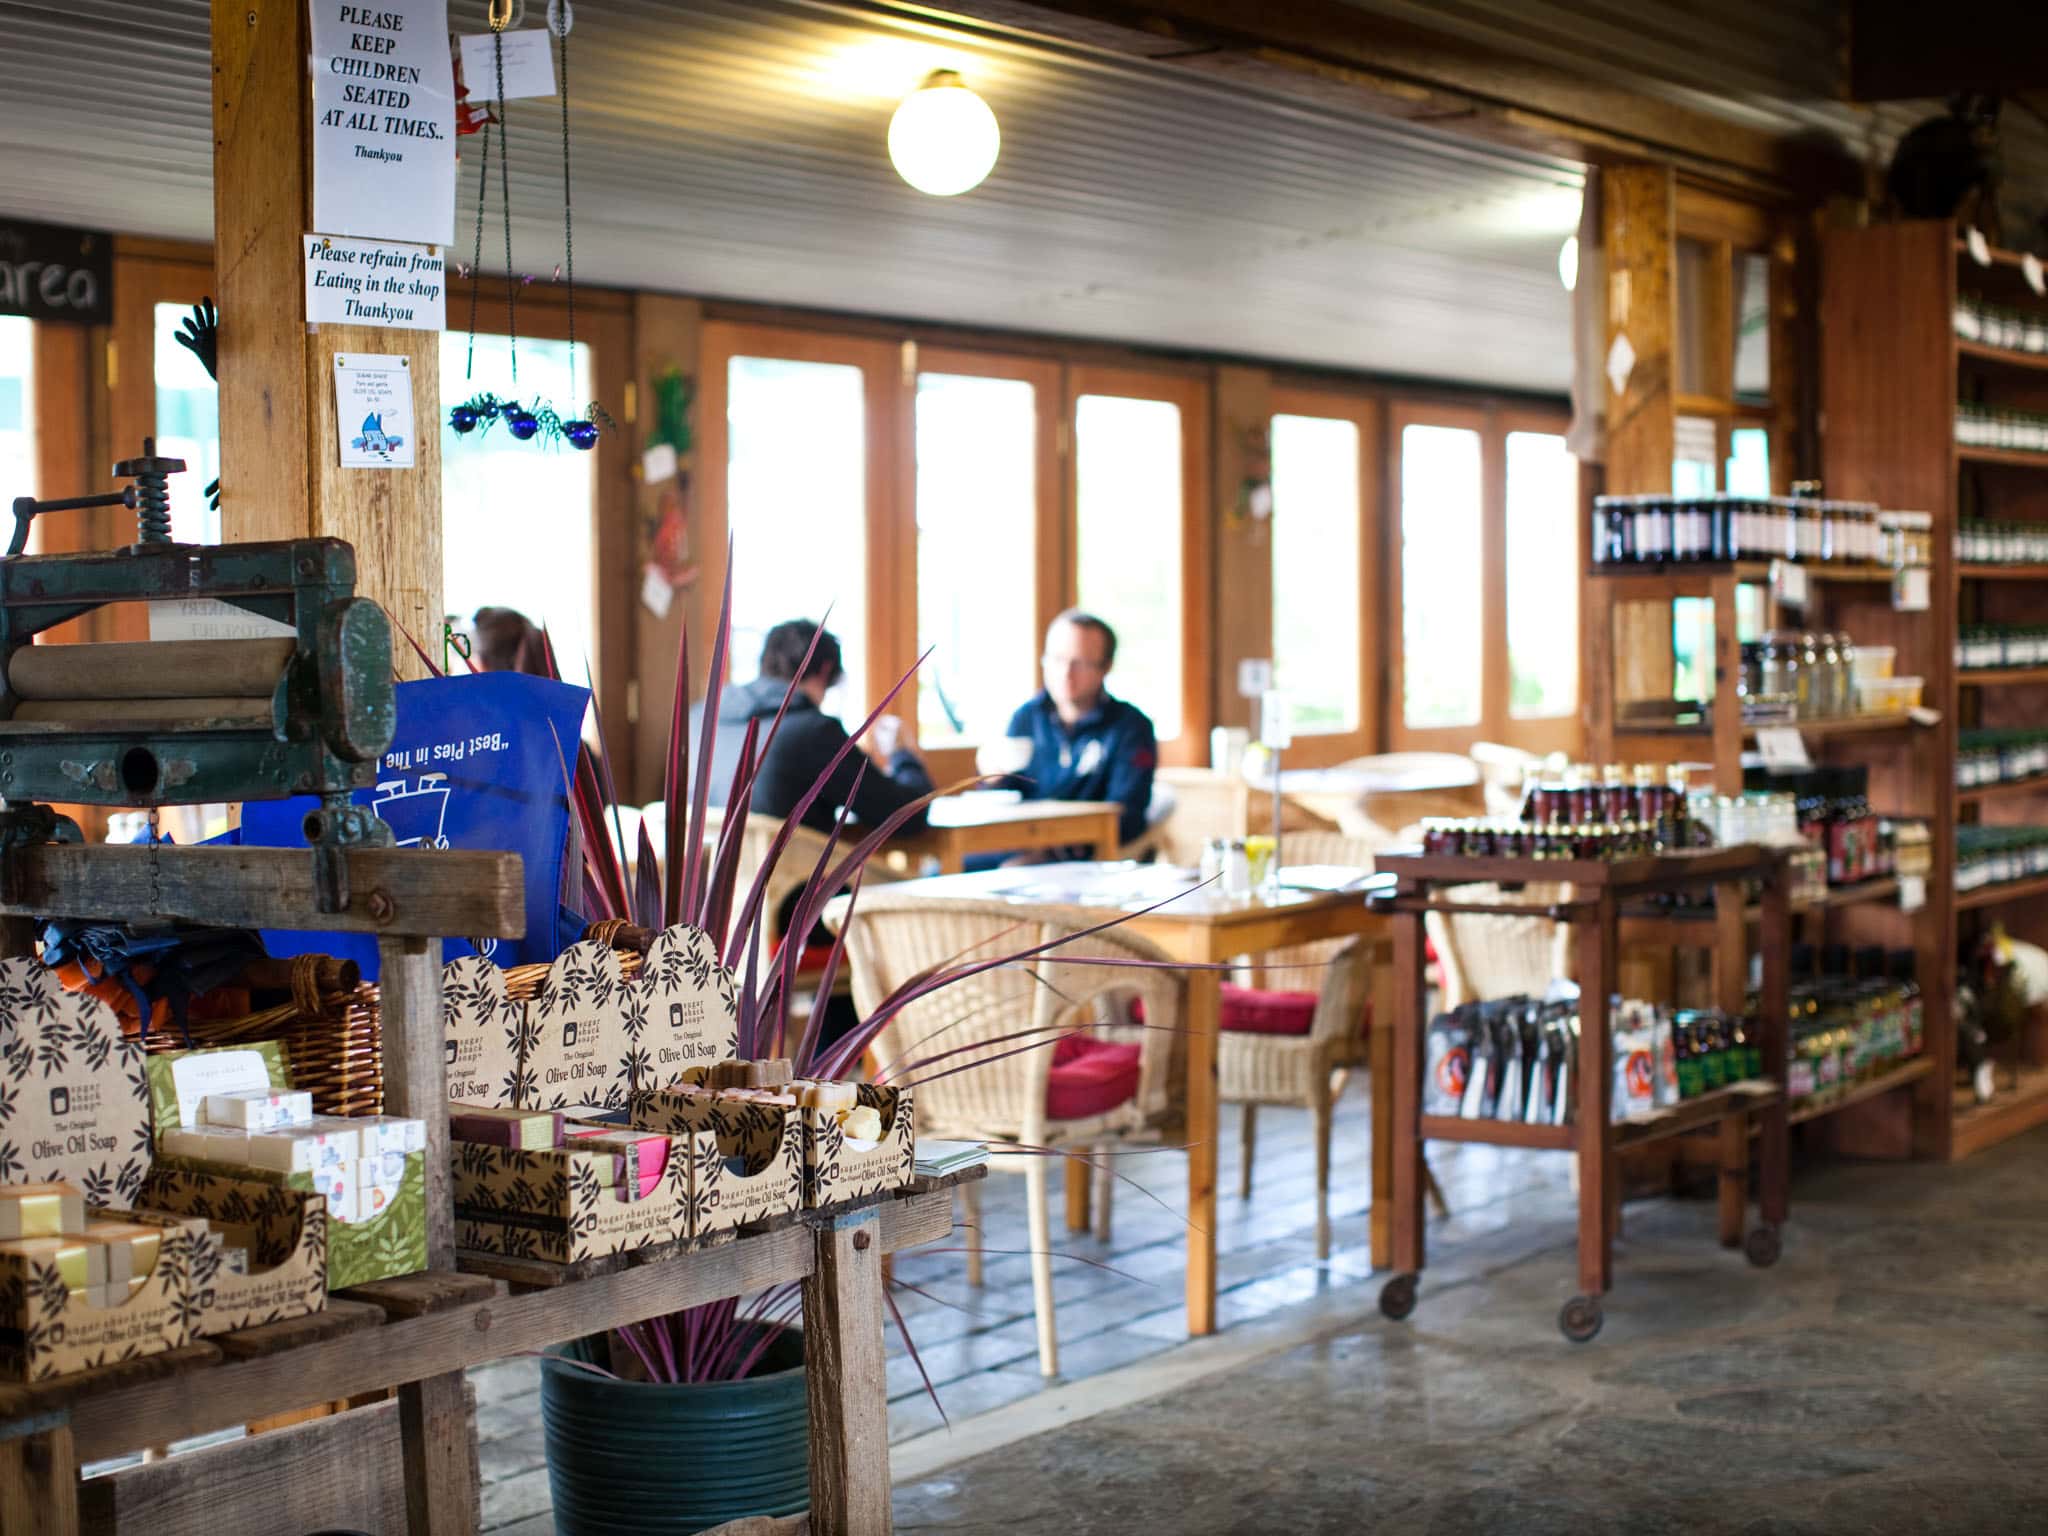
[
  {"x": 1490, "y": 956},
  {"x": 989, "y": 1019}
]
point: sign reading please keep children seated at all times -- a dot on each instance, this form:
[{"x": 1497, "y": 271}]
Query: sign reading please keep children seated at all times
[{"x": 383, "y": 120}]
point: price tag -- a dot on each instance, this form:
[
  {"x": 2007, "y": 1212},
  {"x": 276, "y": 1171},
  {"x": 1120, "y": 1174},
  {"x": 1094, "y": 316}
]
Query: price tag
[
  {"x": 1254, "y": 677},
  {"x": 1790, "y": 581},
  {"x": 1980, "y": 248},
  {"x": 1783, "y": 748},
  {"x": 1910, "y": 589},
  {"x": 1912, "y": 892},
  {"x": 2030, "y": 269}
]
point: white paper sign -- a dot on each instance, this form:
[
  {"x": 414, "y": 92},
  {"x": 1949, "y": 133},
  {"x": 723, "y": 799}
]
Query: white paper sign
[
  {"x": 658, "y": 463},
  {"x": 194, "y": 1077},
  {"x": 656, "y": 595},
  {"x": 1783, "y": 748},
  {"x": 1254, "y": 677},
  {"x": 1790, "y": 580},
  {"x": 529, "y": 66},
  {"x": 1276, "y": 720},
  {"x": 375, "y": 282},
  {"x": 208, "y": 618},
  {"x": 1912, "y": 892},
  {"x": 1621, "y": 362},
  {"x": 373, "y": 410},
  {"x": 383, "y": 120}
]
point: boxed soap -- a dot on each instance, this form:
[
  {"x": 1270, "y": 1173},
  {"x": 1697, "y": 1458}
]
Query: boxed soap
[
  {"x": 744, "y": 1153},
  {"x": 563, "y": 1203},
  {"x": 258, "y": 1109},
  {"x": 40, "y": 1210}
]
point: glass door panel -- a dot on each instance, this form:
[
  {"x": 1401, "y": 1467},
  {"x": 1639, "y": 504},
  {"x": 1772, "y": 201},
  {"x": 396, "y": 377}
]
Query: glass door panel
[
  {"x": 1317, "y": 602},
  {"x": 1442, "y": 608}
]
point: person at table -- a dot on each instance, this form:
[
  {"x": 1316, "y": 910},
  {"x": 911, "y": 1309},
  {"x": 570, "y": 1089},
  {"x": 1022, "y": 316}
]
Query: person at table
[
  {"x": 807, "y": 739},
  {"x": 1086, "y": 744}
]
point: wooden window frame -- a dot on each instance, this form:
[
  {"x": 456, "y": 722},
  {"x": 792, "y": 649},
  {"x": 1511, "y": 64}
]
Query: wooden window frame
[
  {"x": 1325, "y": 749},
  {"x": 1050, "y": 541},
  {"x": 1189, "y": 391},
  {"x": 1538, "y": 733}
]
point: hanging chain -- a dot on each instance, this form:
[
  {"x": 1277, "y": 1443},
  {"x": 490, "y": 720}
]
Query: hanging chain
[
  {"x": 568, "y": 218},
  {"x": 505, "y": 193},
  {"x": 476, "y": 258},
  {"x": 156, "y": 874}
]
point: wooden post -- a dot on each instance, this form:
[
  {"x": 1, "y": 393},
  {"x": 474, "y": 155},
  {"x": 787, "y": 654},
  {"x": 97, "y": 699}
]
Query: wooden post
[
  {"x": 442, "y": 1485},
  {"x": 1597, "y": 1171},
  {"x": 39, "y": 1484},
  {"x": 1405, "y": 1133},
  {"x": 1243, "y": 593},
  {"x": 280, "y": 443},
  {"x": 415, "y": 1074},
  {"x": 846, "y": 1381}
]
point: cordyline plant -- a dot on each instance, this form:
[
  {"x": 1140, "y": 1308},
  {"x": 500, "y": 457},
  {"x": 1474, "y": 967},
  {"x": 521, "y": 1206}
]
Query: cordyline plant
[{"x": 726, "y": 1340}]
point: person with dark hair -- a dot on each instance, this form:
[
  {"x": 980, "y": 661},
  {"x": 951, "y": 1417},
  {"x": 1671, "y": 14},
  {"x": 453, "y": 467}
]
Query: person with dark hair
[
  {"x": 806, "y": 739},
  {"x": 1085, "y": 744},
  {"x": 507, "y": 641}
]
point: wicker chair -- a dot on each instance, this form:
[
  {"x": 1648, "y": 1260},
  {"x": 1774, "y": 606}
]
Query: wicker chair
[
  {"x": 1488, "y": 956},
  {"x": 894, "y": 937}
]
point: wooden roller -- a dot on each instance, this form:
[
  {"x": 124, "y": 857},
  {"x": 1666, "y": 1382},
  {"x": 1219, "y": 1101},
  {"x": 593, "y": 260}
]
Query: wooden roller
[
  {"x": 163, "y": 713},
  {"x": 164, "y": 669}
]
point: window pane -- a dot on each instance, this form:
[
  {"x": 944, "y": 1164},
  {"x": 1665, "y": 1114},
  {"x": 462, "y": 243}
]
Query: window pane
[
  {"x": 1693, "y": 456},
  {"x": 517, "y": 519},
  {"x": 17, "y": 410},
  {"x": 1753, "y": 326},
  {"x": 1128, "y": 533},
  {"x": 1316, "y": 600},
  {"x": 977, "y": 514},
  {"x": 796, "y": 504},
  {"x": 188, "y": 428},
  {"x": 1749, "y": 462},
  {"x": 1543, "y": 576},
  {"x": 1440, "y": 565}
]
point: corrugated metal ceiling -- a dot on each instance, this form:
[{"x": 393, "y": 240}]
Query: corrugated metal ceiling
[{"x": 735, "y": 149}]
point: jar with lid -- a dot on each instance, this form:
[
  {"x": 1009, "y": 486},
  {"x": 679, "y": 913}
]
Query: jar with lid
[
  {"x": 1845, "y": 685},
  {"x": 1830, "y": 679},
  {"x": 1811, "y": 697}
]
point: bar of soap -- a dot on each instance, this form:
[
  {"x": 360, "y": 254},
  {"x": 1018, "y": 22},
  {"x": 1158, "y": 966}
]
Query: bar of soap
[
  {"x": 374, "y": 1195},
  {"x": 131, "y": 1248},
  {"x": 40, "y": 1210},
  {"x": 384, "y": 1134},
  {"x": 862, "y": 1123},
  {"x": 207, "y": 1143},
  {"x": 817, "y": 1093},
  {"x": 527, "y": 1130},
  {"x": 338, "y": 1184},
  {"x": 644, "y": 1152},
  {"x": 385, "y": 1168},
  {"x": 81, "y": 1263},
  {"x": 345, "y": 1132},
  {"x": 302, "y": 1149},
  {"x": 259, "y": 1109}
]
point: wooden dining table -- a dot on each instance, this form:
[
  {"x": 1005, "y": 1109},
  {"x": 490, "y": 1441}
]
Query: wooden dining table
[
  {"x": 958, "y": 826},
  {"x": 1200, "y": 926}
]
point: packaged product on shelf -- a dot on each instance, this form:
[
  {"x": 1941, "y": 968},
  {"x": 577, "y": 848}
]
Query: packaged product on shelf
[
  {"x": 1508, "y": 1038},
  {"x": 1482, "y": 1086},
  {"x": 1635, "y": 1071},
  {"x": 40, "y": 1210},
  {"x": 1449, "y": 1065},
  {"x": 258, "y": 1109}
]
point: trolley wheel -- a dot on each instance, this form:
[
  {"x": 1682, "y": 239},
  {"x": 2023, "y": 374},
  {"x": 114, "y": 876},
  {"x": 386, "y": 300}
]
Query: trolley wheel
[
  {"x": 1580, "y": 1318},
  {"x": 1763, "y": 1245},
  {"x": 1397, "y": 1297}
]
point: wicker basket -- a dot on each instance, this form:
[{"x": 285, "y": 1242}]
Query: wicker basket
[{"x": 332, "y": 1039}]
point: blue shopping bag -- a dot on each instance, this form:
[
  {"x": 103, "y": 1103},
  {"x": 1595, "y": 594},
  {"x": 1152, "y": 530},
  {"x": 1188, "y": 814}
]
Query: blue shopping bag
[{"x": 477, "y": 761}]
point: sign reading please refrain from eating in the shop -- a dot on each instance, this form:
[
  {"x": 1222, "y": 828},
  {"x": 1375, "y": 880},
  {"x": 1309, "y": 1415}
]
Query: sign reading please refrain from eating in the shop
[
  {"x": 375, "y": 282},
  {"x": 383, "y": 120}
]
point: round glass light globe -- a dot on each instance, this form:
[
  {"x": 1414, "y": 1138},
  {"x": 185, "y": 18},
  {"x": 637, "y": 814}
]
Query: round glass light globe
[{"x": 943, "y": 139}]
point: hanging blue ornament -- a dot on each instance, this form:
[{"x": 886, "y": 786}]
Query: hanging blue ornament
[
  {"x": 520, "y": 422},
  {"x": 581, "y": 434},
  {"x": 462, "y": 419}
]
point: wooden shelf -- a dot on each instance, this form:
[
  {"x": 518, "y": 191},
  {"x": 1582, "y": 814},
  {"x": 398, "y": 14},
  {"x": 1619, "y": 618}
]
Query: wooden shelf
[
  {"x": 2016, "y": 458},
  {"x": 1978, "y": 1126},
  {"x": 2000, "y": 257},
  {"x": 2001, "y": 677},
  {"x": 1499, "y": 1133},
  {"x": 1994, "y": 572},
  {"x": 1899, "y": 1076},
  {"x": 1984, "y": 352},
  {"x": 2005, "y": 891},
  {"x": 1845, "y": 725},
  {"x": 2006, "y": 789},
  {"x": 1695, "y": 925},
  {"x": 1693, "y": 1113},
  {"x": 1681, "y": 572}
]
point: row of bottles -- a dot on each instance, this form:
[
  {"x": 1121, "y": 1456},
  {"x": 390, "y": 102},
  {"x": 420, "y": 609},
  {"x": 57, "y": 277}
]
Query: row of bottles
[{"x": 1849, "y": 1019}]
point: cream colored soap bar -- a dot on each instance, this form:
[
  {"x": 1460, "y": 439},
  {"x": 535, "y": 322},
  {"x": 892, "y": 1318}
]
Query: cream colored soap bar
[
  {"x": 81, "y": 1263},
  {"x": 131, "y": 1247},
  {"x": 40, "y": 1210},
  {"x": 208, "y": 1143},
  {"x": 259, "y": 1109},
  {"x": 302, "y": 1149}
]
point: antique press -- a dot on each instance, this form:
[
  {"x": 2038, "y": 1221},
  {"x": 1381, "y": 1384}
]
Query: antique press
[{"x": 189, "y": 722}]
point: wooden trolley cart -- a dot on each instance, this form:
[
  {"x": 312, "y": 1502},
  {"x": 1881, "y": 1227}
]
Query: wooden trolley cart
[{"x": 1593, "y": 898}]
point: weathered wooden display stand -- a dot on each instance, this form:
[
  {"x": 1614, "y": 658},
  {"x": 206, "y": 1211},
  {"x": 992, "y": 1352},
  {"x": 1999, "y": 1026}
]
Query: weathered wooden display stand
[
  {"x": 420, "y": 1332},
  {"x": 1592, "y": 904}
]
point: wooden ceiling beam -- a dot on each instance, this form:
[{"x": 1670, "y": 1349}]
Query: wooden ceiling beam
[{"x": 1342, "y": 57}]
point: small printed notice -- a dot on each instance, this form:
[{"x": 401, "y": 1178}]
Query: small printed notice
[
  {"x": 1912, "y": 892},
  {"x": 656, "y": 595},
  {"x": 373, "y": 410},
  {"x": 375, "y": 282},
  {"x": 1910, "y": 588},
  {"x": 529, "y": 67},
  {"x": 383, "y": 120},
  {"x": 1790, "y": 580},
  {"x": 1783, "y": 748},
  {"x": 1254, "y": 677}
]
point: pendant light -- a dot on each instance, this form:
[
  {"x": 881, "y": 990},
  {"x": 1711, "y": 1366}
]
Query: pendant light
[{"x": 943, "y": 139}]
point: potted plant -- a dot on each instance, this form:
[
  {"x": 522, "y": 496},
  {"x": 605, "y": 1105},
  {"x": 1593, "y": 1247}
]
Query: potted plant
[{"x": 726, "y": 1378}]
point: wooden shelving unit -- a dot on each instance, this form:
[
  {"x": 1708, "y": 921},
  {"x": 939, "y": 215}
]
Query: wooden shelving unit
[
  {"x": 1905, "y": 1073},
  {"x": 1892, "y": 374}
]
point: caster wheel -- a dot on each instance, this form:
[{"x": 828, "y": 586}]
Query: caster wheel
[
  {"x": 1762, "y": 1246},
  {"x": 1397, "y": 1297},
  {"x": 1580, "y": 1318}
]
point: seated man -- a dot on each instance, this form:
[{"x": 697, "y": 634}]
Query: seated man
[
  {"x": 806, "y": 740},
  {"x": 1086, "y": 745}
]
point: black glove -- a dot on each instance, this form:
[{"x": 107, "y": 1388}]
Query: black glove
[{"x": 200, "y": 335}]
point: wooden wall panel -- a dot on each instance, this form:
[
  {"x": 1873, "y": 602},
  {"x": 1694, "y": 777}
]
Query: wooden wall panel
[{"x": 1243, "y": 407}]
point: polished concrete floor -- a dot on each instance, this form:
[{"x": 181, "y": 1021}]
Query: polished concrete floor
[{"x": 1889, "y": 1375}]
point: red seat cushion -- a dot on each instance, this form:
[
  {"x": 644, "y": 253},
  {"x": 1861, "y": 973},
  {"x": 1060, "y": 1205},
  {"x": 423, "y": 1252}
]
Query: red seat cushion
[
  {"x": 1093, "y": 1078},
  {"x": 1250, "y": 1011},
  {"x": 811, "y": 961}
]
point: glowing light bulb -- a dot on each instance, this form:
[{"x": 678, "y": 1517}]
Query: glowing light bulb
[
  {"x": 943, "y": 139},
  {"x": 1568, "y": 263}
]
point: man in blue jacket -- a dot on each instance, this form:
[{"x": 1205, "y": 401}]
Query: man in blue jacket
[{"x": 1086, "y": 745}]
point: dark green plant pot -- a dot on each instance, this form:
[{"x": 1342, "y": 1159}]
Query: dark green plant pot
[{"x": 662, "y": 1460}]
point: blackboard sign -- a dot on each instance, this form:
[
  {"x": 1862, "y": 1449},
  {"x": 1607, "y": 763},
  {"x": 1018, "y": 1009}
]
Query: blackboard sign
[{"x": 50, "y": 273}]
